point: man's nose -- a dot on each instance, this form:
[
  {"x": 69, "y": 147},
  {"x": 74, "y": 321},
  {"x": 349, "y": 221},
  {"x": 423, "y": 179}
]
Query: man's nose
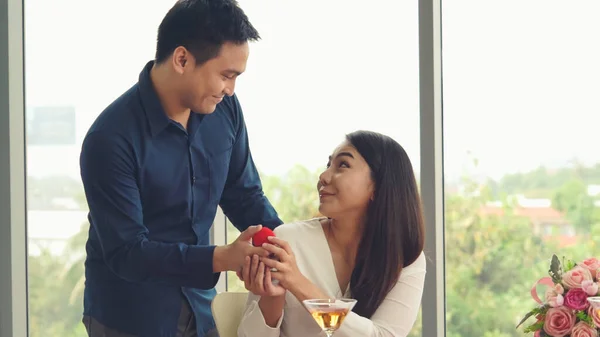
[{"x": 229, "y": 89}]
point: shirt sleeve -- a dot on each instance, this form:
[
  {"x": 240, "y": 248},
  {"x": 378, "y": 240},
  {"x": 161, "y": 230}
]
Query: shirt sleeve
[
  {"x": 243, "y": 200},
  {"x": 253, "y": 322},
  {"x": 397, "y": 314},
  {"x": 108, "y": 172}
]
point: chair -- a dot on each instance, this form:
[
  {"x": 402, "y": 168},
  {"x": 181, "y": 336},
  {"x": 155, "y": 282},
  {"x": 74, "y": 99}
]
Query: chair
[{"x": 227, "y": 309}]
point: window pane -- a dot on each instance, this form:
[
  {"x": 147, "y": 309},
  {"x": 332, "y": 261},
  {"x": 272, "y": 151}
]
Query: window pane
[
  {"x": 80, "y": 56},
  {"x": 306, "y": 86},
  {"x": 521, "y": 164}
]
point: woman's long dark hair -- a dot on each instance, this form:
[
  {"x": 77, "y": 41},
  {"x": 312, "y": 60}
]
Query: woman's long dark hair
[{"x": 394, "y": 233}]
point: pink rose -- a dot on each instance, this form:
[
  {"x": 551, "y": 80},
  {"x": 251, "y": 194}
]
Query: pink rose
[
  {"x": 576, "y": 299},
  {"x": 574, "y": 277},
  {"x": 553, "y": 299},
  {"x": 583, "y": 329},
  {"x": 595, "y": 315},
  {"x": 559, "y": 321},
  {"x": 590, "y": 287},
  {"x": 592, "y": 264},
  {"x": 554, "y": 296},
  {"x": 556, "y": 301},
  {"x": 538, "y": 333},
  {"x": 598, "y": 275}
]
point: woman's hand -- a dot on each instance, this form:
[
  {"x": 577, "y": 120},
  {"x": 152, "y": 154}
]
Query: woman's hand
[
  {"x": 288, "y": 274},
  {"x": 258, "y": 278}
]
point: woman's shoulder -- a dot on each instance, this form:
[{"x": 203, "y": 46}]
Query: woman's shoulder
[
  {"x": 418, "y": 266},
  {"x": 300, "y": 228}
]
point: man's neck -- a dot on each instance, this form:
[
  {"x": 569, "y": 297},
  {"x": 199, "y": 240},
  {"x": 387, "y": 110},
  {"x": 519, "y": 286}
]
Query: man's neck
[{"x": 168, "y": 96}]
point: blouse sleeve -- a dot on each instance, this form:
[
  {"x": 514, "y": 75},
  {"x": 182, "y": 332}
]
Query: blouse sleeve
[
  {"x": 253, "y": 322},
  {"x": 397, "y": 313}
]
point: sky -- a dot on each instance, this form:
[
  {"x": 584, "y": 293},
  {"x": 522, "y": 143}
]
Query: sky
[{"x": 520, "y": 77}]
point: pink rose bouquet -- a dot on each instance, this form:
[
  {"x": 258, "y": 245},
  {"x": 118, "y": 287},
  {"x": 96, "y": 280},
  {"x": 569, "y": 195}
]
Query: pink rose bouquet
[{"x": 565, "y": 310}]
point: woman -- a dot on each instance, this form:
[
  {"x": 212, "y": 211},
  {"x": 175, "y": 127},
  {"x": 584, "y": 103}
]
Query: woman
[{"x": 368, "y": 247}]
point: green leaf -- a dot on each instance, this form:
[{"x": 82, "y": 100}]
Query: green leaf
[
  {"x": 534, "y": 327},
  {"x": 570, "y": 265},
  {"x": 583, "y": 316},
  {"x": 529, "y": 314},
  {"x": 555, "y": 269},
  {"x": 535, "y": 311}
]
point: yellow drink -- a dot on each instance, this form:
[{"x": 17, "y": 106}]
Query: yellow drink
[
  {"x": 330, "y": 319},
  {"x": 329, "y": 313}
]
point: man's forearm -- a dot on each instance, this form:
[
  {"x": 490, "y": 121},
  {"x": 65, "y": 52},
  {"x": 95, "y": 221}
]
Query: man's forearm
[{"x": 175, "y": 264}]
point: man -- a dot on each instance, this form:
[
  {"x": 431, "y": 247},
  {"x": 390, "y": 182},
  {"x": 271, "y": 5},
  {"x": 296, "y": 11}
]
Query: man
[{"x": 156, "y": 164}]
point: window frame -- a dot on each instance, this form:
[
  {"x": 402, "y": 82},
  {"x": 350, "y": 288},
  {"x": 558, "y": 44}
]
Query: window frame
[
  {"x": 13, "y": 230},
  {"x": 433, "y": 305}
]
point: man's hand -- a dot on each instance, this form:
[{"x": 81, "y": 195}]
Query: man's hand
[{"x": 232, "y": 256}]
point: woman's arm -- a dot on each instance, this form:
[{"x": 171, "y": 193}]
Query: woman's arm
[
  {"x": 254, "y": 323},
  {"x": 271, "y": 308},
  {"x": 306, "y": 290},
  {"x": 264, "y": 309},
  {"x": 397, "y": 314}
]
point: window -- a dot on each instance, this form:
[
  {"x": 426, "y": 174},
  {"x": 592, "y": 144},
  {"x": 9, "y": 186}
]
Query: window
[
  {"x": 77, "y": 62},
  {"x": 520, "y": 82},
  {"x": 306, "y": 86},
  {"x": 342, "y": 72}
]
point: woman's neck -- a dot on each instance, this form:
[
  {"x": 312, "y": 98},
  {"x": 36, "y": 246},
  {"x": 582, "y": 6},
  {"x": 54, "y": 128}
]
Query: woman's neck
[{"x": 346, "y": 234}]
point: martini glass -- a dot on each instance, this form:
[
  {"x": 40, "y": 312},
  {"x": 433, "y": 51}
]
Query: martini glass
[
  {"x": 329, "y": 313},
  {"x": 595, "y": 302}
]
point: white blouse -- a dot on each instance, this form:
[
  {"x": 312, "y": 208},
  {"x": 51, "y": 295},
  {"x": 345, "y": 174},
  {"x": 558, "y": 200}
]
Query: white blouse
[{"x": 395, "y": 316}]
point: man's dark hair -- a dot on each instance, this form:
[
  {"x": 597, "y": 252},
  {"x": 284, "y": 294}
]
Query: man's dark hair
[{"x": 202, "y": 26}]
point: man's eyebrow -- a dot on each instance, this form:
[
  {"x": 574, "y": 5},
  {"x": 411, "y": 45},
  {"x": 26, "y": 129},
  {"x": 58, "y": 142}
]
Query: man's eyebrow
[{"x": 232, "y": 71}]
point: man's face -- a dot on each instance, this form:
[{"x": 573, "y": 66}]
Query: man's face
[{"x": 204, "y": 86}]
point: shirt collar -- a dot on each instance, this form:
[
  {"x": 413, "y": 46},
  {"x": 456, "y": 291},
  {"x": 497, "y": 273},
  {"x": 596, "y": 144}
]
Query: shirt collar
[{"x": 155, "y": 114}]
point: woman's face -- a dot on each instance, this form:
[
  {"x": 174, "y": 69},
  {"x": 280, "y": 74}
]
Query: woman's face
[{"x": 345, "y": 187}]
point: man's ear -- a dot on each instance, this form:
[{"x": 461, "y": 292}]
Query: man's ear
[{"x": 180, "y": 58}]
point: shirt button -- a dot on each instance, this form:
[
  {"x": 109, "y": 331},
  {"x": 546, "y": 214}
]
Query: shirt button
[{"x": 193, "y": 179}]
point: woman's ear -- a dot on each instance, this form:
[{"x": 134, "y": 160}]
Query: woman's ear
[{"x": 372, "y": 188}]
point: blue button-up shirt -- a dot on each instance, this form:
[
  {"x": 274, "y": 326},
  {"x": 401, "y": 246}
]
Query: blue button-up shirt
[{"x": 153, "y": 189}]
